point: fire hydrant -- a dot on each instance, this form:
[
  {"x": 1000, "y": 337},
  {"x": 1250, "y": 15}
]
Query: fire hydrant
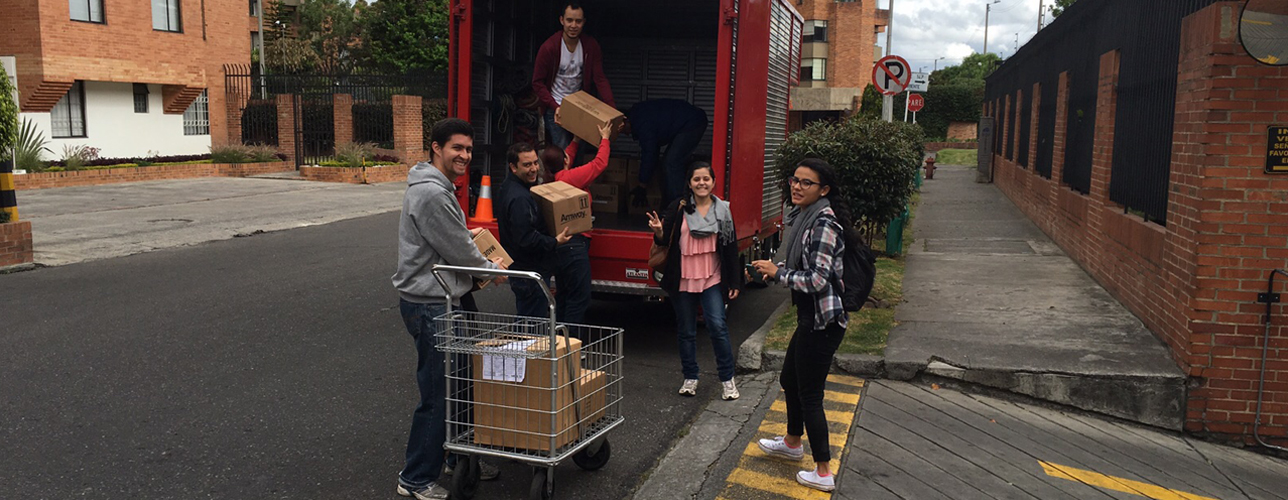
[{"x": 930, "y": 168}]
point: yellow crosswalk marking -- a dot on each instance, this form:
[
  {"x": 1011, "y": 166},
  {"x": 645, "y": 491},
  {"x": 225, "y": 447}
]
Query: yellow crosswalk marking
[
  {"x": 781, "y": 485},
  {"x": 1117, "y": 483},
  {"x": 832, "y": 415},
  {"x": 775, "y": 476},
  {"x": 848, "y": 398},
  {"x": 846, "y": 380}
]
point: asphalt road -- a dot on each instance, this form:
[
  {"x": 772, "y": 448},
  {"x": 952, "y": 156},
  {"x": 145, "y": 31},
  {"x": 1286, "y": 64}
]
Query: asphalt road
[{"x": 274, "y": 366}]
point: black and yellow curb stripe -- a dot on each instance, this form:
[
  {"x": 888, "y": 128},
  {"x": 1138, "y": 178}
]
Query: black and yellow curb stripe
[
  {"x": 8, "y": 195},
  {"x": 759, "y": 476}
]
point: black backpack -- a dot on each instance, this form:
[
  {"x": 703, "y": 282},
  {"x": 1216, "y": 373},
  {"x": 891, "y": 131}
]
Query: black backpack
[{"x": 860, "y": 272}]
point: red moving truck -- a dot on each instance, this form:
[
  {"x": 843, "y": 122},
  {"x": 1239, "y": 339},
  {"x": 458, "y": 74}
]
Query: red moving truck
[{"x": 735, "y": 59}]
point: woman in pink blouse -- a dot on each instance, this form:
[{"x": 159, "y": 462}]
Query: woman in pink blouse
[{"x": 701, "y": 269}]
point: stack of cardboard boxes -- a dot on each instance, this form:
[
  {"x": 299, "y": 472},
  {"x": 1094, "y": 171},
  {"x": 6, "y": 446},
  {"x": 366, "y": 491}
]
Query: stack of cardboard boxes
[
  {"x": 518, "y": 414},
  {"x": 582, "y": 114}
]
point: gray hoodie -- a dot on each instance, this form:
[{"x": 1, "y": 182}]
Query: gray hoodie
[{"x": 432, "y": 231}]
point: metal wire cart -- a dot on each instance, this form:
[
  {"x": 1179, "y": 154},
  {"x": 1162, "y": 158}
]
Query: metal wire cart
[{"x": 527, "y": 389}]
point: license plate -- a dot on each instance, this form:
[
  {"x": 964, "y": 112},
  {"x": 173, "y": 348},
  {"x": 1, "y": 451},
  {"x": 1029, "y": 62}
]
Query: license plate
[{"x": 638, "y": 274}]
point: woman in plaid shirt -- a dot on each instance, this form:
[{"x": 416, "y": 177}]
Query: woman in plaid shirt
[{"x": 809, "y": 263}]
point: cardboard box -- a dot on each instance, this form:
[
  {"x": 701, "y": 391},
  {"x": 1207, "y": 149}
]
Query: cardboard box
[
  {"x": 520, "y": 415},
  {"x": 490, "y": 248},
  {"x": 563, "y": 206},
  {"x": 581, "y": 114},
  {"x": 617, "y": 172},
  {"x": 607, "y": 198}
]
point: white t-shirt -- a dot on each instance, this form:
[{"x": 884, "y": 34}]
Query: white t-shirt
[{"x": 568, "y": 80}]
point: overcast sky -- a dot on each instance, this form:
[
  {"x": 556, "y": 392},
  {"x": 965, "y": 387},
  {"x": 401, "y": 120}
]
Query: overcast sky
[{"x": 953, "y": 29}]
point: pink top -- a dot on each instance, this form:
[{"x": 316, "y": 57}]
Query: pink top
[{"x": 699, "y": 267}]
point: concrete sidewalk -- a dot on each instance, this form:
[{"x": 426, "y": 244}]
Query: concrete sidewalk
[
  {"x": 989, "y": 299},
  {"x": 78, "y": 224}
]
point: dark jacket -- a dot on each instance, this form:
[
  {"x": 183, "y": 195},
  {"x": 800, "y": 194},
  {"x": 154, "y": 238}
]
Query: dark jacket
[
  {"x": 731, "y": 277},
  {"x": 523, "y": 230},
  {"x": 546, "y": 68}
]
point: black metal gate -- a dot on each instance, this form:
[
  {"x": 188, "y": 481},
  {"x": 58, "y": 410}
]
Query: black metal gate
[{"x": 314, "y": 128}]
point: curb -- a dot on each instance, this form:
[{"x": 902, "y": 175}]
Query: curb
[{"x": 749, "y": 353}]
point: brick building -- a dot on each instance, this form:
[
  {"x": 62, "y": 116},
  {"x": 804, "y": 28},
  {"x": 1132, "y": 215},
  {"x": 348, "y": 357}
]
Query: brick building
[
  {"x": 838, "y": 49},
  {"x": 1191, "y": 260},
  {"x": 127, "y": 77}
]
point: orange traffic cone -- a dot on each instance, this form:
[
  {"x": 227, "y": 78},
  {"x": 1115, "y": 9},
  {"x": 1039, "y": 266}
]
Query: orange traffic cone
[{"x": 483, "y": 212}]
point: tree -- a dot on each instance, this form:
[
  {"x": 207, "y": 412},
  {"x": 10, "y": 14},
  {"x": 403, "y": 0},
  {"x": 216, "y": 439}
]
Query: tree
[
  {"x": 332, "y": 30},
  {"x": 870, "y": 105},
  {"x": 974, "y": 67},
  {"x": 1058, "y": 7},
  {"x": 8, "y": 116},
  {"x": 406, "y": 35}
]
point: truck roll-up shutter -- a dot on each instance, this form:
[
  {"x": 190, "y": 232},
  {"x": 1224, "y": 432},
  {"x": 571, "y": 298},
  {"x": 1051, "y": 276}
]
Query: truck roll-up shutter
[{"x": 784, "y": 57}]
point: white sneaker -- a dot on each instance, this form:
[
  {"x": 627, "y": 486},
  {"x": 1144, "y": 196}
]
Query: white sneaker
[
  {"x": 432, "y": 492},
  {"x": 730, "y": 390},
  {"x": 690, "y": 387},
  {"x": 777, "y": 447},
  {"x": 813, "y": 480}
]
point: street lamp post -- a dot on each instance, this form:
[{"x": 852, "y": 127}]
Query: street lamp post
[
  {"x": 937, "y": 62},
  {"x": 987, "y": 8}
]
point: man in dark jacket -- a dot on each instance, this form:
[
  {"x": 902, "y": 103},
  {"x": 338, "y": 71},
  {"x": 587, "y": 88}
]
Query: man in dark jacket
[
  {"x": 671, "y": 123},
  {"x": 523, "y": 230},
  {"x": 567, "y": 62}
]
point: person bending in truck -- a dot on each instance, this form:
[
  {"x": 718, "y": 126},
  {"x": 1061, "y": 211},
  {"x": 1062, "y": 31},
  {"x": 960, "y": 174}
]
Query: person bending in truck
[
  {"x": 523, "y": 230},
  {"x": 567, "y": 62},
  {"x": 665, "y": 123},
  {"x": 572, "y": 266},
  {"x": 432, "y": 231}
]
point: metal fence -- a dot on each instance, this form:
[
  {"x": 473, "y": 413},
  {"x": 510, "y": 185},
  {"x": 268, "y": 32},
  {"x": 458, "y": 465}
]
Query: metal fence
[
  {"x": 259, "y": 122},
  {"x": 374, "y": 123},
  {"x": 1147, "y": 36}
]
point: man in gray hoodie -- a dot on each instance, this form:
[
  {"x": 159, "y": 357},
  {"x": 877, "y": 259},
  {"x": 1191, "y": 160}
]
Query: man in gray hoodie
[{"x": 432, "y": 231}]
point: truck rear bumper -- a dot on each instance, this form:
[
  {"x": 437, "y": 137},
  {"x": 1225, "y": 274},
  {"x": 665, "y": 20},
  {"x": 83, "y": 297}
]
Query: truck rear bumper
[{"x": 625, "y": 288}]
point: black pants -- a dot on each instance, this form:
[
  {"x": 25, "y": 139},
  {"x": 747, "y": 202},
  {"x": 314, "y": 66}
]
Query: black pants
[
  {"x": 809, "y": 357},
  {"x": 572, "y": 276}
]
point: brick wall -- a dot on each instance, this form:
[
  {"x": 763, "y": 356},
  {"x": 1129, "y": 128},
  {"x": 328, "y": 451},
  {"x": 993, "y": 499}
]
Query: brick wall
[
  {"x": 1193, "y": 282},
  {"x": 15, "y": 244},
  {"x": 963, "y": 131},
  {"x": 286, "y": 125},
  {"x": 46, "y": 180},
  {"x": 852, "y": 33},
  {"x": 342, "y": 104},
  {"x": 374, "y": 174}
]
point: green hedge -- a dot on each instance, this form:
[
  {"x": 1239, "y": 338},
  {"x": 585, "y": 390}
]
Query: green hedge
[
  {"x": 945, "y": 104},
  {"x": 876, "y": 161}
]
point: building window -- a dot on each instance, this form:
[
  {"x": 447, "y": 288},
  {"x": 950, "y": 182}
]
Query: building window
[
  {"x": 254, "y": 7},
  {"x": 140, "y": 98},
  {"x": 165, "y": 15},
  {"x": 196, "y": 119},
  {"x": 90, "y": 11},
  {"x": 68, "y": 116},
  {"x": 815, "y": 31},
  {"x": 814, "y": 70}
]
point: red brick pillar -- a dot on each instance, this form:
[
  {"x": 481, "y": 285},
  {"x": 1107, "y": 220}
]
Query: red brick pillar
[
  {"x": 1230, "y": 224},
  {"x": 1102, "y": 157},
  {"x": 234, "y": 108},
  {"x": 286, "y": 125},
  {"x": 1061, "y": 130},
  {"x": 1015, "y": 115},
  {"x": 1033, "y": 126},
  {"x": 342, "y": 113},
  {"x": 409, "y": 139},
  {"x": 1006, "y": 117}
]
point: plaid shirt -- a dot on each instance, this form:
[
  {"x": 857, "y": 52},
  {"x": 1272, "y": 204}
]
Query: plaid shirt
[{"x": 820, "y": 262}]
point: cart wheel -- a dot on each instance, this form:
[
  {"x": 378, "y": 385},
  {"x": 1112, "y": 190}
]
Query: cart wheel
[
  {"x": 587, "y": 461},
  {"x": 465, "y": 479},
  {"x": 541, "y": 488}
]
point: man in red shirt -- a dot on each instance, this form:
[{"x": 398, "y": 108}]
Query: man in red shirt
[{"x": 567, "y": 62}]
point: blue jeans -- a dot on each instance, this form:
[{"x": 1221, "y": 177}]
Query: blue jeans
[
  {"x": 573, "y": 278},
  {"x": 529, "y": 298},
  {"x": 558, "y": 136},
  {"x": 713, "y": 308},
  {"x": 429, "y": 422}
]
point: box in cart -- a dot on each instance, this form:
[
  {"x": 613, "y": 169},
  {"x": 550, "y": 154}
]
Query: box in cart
[
  {"x": 517, "y": 413},
  {"x": 581, "y": 114},
  {"x": 563, "y": 206}
]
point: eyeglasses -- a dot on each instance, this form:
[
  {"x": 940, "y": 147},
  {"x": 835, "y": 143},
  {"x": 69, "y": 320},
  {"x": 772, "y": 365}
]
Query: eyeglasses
[{"x": 804, "y": 183}]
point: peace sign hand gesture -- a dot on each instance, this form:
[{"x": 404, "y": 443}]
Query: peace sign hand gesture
[{"x": 655, "y": 223}]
